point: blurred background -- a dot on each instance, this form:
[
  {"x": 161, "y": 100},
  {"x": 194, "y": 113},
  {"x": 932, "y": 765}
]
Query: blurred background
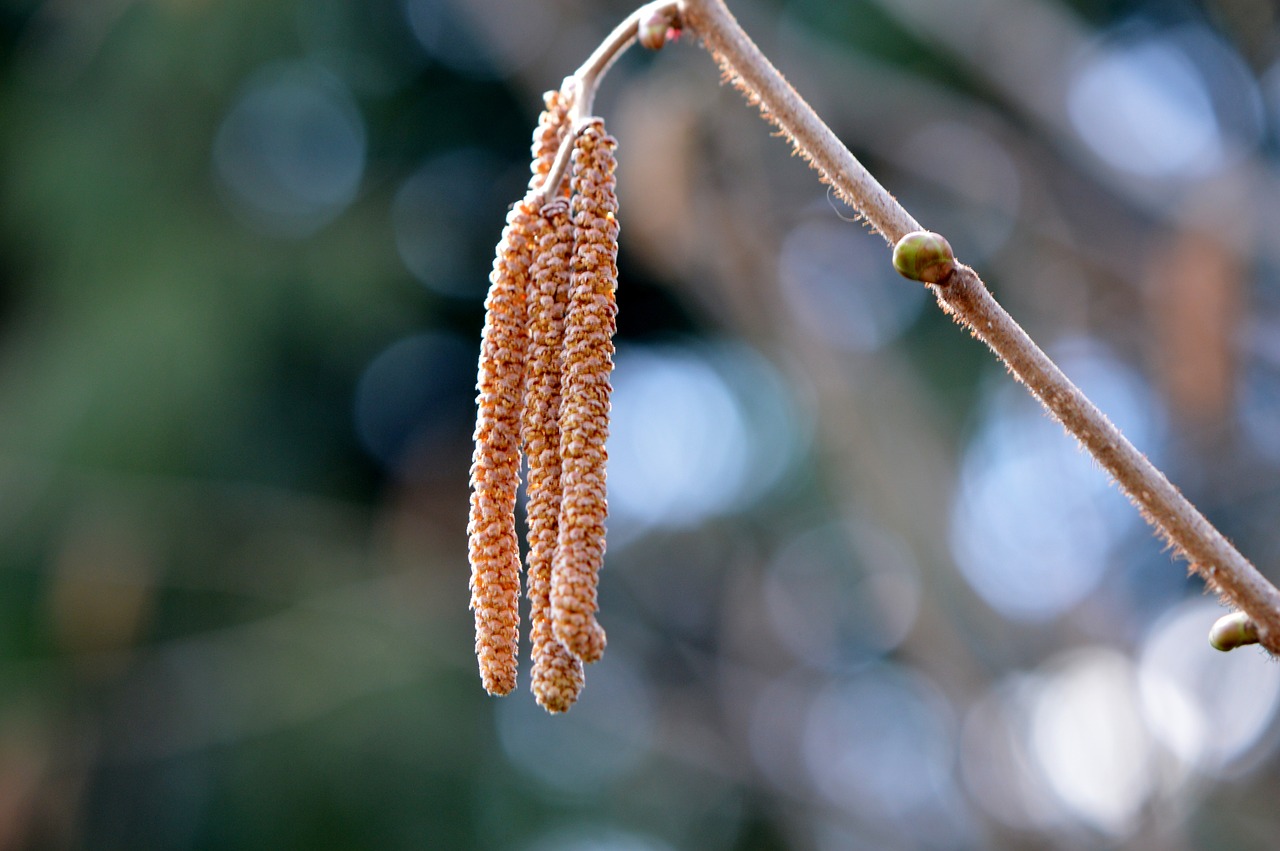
[{"x": 860, "y": 592}]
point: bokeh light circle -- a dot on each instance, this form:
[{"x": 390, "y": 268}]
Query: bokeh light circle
[{"x": 291, "y": 150}]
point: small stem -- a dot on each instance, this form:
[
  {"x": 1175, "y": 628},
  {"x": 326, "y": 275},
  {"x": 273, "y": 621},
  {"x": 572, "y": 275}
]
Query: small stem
[
  {"x": 584, "y": 82},
  {"x": 591, "y": 72},
  {"x": 966, "y": 298}
]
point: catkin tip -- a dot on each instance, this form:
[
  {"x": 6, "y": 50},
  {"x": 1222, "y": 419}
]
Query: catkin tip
[{"x": 557, "y": 679}]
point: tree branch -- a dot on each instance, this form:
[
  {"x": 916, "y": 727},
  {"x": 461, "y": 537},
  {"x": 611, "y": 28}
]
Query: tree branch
[{"x": 963, "y": 295}]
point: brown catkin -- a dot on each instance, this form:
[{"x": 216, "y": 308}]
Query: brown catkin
[
  {"x": 494, "y": 550},
  {"x": 557, "y": 676},
  {"x": 557, "y": 673},
  {"x": 584, "y": 407}
]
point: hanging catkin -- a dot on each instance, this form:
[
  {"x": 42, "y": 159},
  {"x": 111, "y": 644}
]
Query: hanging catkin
[
  {"x": 494, "y": 550},
  {"x": 584, "y": 406},
  {"x": 557, "y": 673}
]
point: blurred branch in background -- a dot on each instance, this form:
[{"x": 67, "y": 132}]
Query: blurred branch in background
[{"x": 242, "y": 256}]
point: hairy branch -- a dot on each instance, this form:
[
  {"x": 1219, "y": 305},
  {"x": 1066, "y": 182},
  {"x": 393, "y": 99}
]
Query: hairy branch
[{"x": 963, "y": 295}]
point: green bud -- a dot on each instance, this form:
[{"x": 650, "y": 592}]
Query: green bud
[
  {"x": 1232, "y": 631},
  {"x": 924, "y": 256}
]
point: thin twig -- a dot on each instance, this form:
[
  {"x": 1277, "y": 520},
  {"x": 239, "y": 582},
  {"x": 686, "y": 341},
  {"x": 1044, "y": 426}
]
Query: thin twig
[
  {"x": 581, "y": 86},
  {"x": 966, "y": 298}
]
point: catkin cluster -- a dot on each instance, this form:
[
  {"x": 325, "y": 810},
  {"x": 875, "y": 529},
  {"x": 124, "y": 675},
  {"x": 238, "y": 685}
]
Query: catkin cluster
[{"x": 545, "y": 358}]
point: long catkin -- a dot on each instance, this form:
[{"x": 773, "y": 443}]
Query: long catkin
[
  {"x": 493, "y": 547},
  {"x": 584, "y": 412},
  {"x": 557, "y": 676}
]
